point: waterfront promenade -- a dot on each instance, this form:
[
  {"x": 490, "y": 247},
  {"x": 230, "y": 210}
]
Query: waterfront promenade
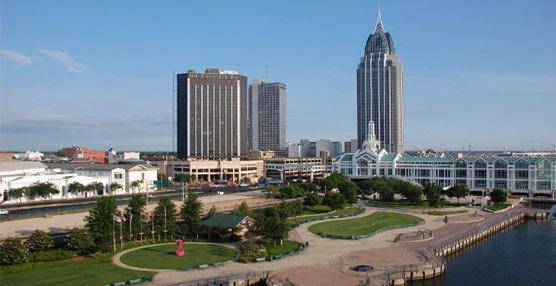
[{"x": 329, "y": 261}]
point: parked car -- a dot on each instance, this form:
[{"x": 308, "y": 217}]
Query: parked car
[{"x": 4, "y": 212}]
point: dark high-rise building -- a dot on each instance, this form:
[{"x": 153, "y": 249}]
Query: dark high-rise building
[
  {"x": 380, "y": 91},
  {"x": 267, "y": 116},
  {"x": 212, "y": 114}
]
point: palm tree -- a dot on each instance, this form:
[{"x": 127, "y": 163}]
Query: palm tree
[
  {"x": 115, "y": 186},
  {"x": 136, "y": 184}
]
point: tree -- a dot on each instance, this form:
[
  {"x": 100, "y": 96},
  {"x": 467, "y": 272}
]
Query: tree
[
  {"x": 384, "y": 190},
  {"x": 349, "y": 190},
  {"x": 115, "y": 186},
  {"x": 242, "y": 209},
  {"x": 246, "y": 180},
  {"x": 76, "y": 188},
  {"x": 43, "y": 190},
  {"x": 211, "y": 212},
  {"x": 410, "y": 192},
  {"x": 191, "y": 214},
  {"x": 498, "y": 196},
  {"x": 332, "y": 181},
  {"x": 80, "y": 240},
  {"x": 17, "y": 193},
  {"x": 96, "y": 187},
  {"x": 335, "y": 201},
  {"x": 274, "y": 228},
  {"x": 365, "y": 187},
  {"x": 133, "y": 212},
  {"x": 312, "y": 199},
  {"x": 59, "y": 153},
  {"x": 100, "y": 219},
  {"x": 136, "y": 184},
  {"x": 39, "y": 241},
  {"x": 13, "y": 251},
  {"x": 165, "y": 205},
  {"x": 289, "y": 191},
  {"x": 162, "y": 177},
  {"x": 308, "y": 187},
  {"x": 458, "y": 191},
  {"x": 183, "y": 178},
  {"x": 434, "y": 193}
]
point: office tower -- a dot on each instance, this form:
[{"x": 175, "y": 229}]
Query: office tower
[
  {"x": 267, "y": 116},
  {"x": 350, "y": 146},
  {"x": 380, "y": 91},
  {"x": 212, "y": 114}
]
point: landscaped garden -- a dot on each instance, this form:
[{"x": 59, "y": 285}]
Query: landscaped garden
[
  {"x": 348, "y": 211},
  {"x": 365, "y": 225},
  {"x": 313, "y": 210},
  {"x": 440, "y": 213},
  {"x": 258, "y": 249},
  {"x": 163, "y": 256}
]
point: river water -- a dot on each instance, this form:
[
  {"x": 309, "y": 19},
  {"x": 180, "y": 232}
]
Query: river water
[{"x": 524, "y": 254}]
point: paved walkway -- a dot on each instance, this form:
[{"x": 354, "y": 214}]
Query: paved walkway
[{"x": 321, "y": 251}]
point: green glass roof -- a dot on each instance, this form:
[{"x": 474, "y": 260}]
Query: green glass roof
[{"x": 223, "y": 220}]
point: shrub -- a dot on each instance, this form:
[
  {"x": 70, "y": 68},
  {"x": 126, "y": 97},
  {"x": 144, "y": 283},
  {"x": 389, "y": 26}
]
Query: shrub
[
  {"x": 39, "y": 241},
  {"x": 52, "y": 255},
  {"x": 81, "y": 241},
  {"x": 13, "y": 251},
  {"x": 498, "y": 196}
]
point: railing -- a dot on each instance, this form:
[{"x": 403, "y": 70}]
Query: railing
[
  {"x": 227, "y": 280},
  {"x": 474, "y": 229}
]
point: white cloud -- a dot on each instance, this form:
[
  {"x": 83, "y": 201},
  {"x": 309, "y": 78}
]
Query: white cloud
[
  {"x": 16, "y": 57},
  {"x": 64, "y": 59}
]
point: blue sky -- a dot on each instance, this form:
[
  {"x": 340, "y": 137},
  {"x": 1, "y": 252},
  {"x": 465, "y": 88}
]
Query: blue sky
[{"x": 99, "y": 73}]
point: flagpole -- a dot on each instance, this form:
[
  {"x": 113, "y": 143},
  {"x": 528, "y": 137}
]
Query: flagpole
[
  {"x": 165, "y": 229},
  {"x": 114, "y": 234},
  {"x": 152, "y": 222},
  {"x": 130, "y": 218},
  {"x": 121, "y": 235}
]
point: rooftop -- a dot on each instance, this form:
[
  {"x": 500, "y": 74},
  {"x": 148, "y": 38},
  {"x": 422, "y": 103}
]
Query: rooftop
[{"x": 223, "y": 220}]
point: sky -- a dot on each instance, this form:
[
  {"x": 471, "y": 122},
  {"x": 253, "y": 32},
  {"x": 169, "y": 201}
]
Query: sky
[{"x": 99, "y": 73}]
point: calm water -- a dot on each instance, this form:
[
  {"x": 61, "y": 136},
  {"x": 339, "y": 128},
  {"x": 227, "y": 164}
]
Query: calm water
[{"x": 522, "y": 255}]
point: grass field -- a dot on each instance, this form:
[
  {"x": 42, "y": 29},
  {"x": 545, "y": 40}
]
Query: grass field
[
  {"x": 497, "y": 207},
  {"x": 163, "y": 257},
  {"x": 410, "y": 205},
  {"x": 364, "y": 225},
  {"x": 287, "y": 246},
  {"x": 86, "y": 271},
  {"x": 292, "y": 222},
  {"x": 313, "y": 210},
  {"x": 446, "y": 212}
]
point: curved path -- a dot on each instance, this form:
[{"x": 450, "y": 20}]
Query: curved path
[
  {"x": 321, "y": 251},
  {"x": 116, "y": 259}
]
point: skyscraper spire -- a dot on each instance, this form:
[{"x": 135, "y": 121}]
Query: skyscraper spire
[{"x": 379, "y": 26}]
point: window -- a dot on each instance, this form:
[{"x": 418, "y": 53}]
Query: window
[
  {"x": 522, "y": 174},
  {"x": 461, "y": 173},
  {"x": 118, "y": 176},
  {"x": 480, "y": 174}
]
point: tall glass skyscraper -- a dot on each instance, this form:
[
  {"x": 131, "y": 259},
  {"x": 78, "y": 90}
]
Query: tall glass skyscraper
[{"x": 380, "y": 91}]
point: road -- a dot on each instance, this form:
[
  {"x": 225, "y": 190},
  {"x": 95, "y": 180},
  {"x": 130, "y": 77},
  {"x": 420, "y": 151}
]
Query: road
[{"x": 42, "y": 208}]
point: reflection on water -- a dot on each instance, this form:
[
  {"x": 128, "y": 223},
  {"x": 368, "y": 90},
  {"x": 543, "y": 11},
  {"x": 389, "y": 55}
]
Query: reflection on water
[{"x": 521, "y": 255}]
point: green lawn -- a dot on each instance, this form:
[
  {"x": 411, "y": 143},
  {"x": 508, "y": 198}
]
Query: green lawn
[
  {"x": 318, "y": 209},
  {"x": 287, "y": 246},
  {"x": 497, "y": 207},
  {"x": 88, "y": 271},
  {"x": 163, "y": 257},
  {"x": 364, "y": 225},
  {"x": 446, "y": 212},
  {"x": 292, "y": 222},
  {"x": 411, "y": 205}
]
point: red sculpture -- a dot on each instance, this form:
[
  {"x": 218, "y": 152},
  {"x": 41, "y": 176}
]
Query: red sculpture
[{"x": 180, "y": 251}]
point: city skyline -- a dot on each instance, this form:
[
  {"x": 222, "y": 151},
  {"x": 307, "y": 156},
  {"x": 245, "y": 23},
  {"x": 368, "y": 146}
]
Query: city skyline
[{"x": 104, "y": 84}]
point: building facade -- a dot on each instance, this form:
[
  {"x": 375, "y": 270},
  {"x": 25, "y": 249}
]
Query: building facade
[
  {"x": 233, "y": 169},
  {"x": 296, "y": 168},
  {"x": 380, "y": 91},
  {"x": 267, "y": 116},
  {"x": 528, "y": 175},
  {"x": 83, "y": 154},
  {"x": 351, "y": 146},
  {"x": 211, "y": 114}
]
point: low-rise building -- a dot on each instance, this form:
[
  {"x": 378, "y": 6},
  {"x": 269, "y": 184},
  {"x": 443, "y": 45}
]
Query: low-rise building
[
  {"x": 296, "y": 168},
  {"x": 83, "y": 154},
  {"x": 115, "y": 157},
  {"x": 6, "y": 157},
  {"x": 225, "y": 225},
  {"x": 233, "y": 169},
  {"x": 123, "y": 174}
]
